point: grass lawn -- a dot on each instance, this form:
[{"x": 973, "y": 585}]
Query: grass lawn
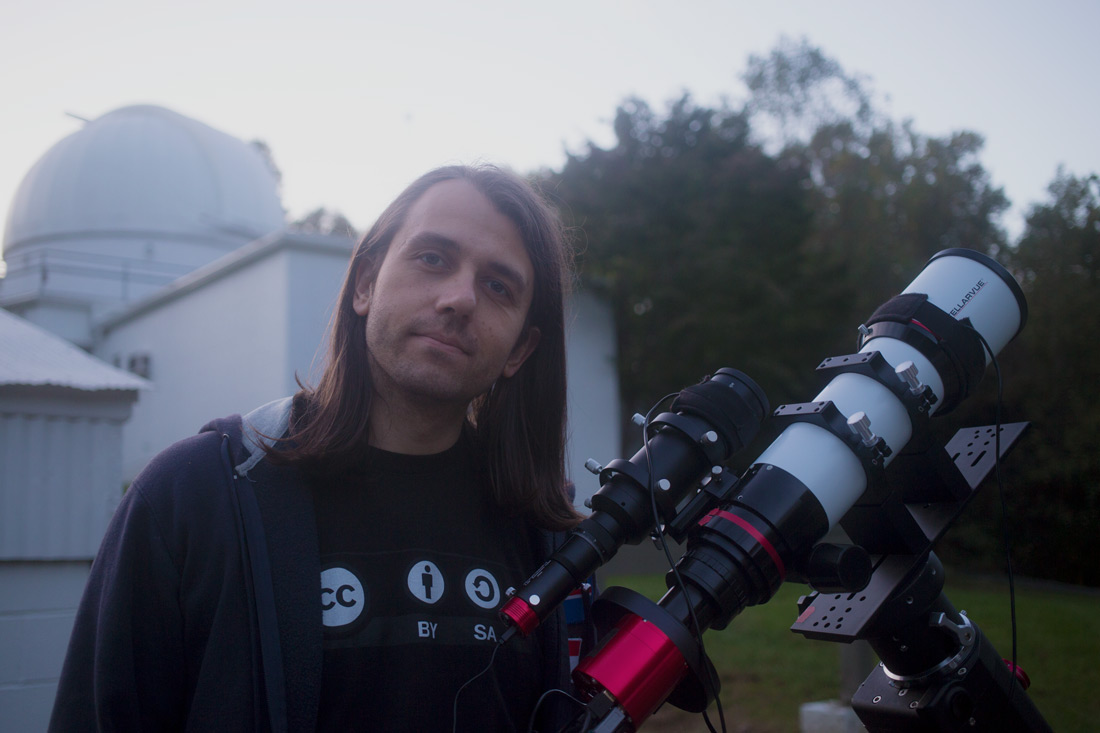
[{"x": 767, "y": 671}]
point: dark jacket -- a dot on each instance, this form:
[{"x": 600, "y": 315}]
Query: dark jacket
[{"x": 202, "y": 610}]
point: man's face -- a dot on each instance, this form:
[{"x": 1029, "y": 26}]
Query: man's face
[{"x": 446, "y": 312}]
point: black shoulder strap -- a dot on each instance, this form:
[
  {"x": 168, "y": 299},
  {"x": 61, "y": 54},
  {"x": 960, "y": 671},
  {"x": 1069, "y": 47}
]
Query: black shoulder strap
[{"x": 254, "y": 549}]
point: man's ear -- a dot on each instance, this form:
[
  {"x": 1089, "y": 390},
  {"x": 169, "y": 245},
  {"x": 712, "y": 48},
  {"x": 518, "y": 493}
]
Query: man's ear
[
  {"x": 364, "y": 286},
  {"x": 523, "y": 349}
]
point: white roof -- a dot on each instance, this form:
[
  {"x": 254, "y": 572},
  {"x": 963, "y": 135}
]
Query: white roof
[{"x": 34, "y": 357}]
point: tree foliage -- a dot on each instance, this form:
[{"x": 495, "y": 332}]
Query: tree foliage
[
  {"x": 692, "y": 232},
  {"x": 717, "y": 253},
  {"x": 796, "y": 89},
  {"x": 268, "y": 157},
  {"x": 885, "y": 198},
  {"x": 1053, "y": 371},
  {"x": 323, "y": 221},
  {"x": 760, "y": 237}
]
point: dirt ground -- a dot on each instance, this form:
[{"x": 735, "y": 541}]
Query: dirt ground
[{"x": 673, "y": 720}]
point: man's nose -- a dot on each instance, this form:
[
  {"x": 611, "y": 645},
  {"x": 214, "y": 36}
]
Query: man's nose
[{"x": 458, "y": 294}]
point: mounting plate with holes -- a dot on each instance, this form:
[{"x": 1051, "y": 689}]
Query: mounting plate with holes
[
  {"x": 973, "y": 449},
  {"x": 935, "y": 489},
  {"x": 843, "y": 617}
]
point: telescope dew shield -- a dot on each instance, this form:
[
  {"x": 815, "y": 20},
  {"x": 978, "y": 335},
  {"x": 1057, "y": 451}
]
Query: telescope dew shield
[
  {"x": 710, "y": 421},
  {"x": 929, "y": 324},
  {"x": 967, "y": 284}
]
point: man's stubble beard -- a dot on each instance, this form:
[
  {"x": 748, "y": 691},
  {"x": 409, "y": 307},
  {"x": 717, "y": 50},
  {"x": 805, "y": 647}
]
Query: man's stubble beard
[{"x": 422, "y": 380}]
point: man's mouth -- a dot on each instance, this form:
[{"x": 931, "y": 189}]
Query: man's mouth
[{"x": 446, "y": 342}]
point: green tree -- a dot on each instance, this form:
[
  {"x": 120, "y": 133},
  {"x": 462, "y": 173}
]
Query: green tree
[
  {"x": 715, "y": 252},
  {"x": 1051, "y": 379},
  {"x": 884, "y": 197},
  {"x": 692, "y": 231},
  {"x": 796, "y": 89},
  {"x": 323, "y": 221}
]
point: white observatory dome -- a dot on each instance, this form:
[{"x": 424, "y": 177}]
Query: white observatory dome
[
  {"x": 144, "y": 170},
  {"x": 130, "y": 202}
]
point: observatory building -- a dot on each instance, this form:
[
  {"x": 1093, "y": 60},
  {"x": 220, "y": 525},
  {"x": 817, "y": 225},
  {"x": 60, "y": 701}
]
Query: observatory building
[{"x": 120, "y": 209}]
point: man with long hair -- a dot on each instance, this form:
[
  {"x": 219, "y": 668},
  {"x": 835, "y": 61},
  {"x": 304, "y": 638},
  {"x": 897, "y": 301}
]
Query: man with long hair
[{"x": 336, "y": 560}]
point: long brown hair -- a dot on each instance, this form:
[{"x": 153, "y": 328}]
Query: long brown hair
[{"x": 518, "y": 427}]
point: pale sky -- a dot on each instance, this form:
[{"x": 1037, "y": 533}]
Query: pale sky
[{"x": 356, "y": 98}]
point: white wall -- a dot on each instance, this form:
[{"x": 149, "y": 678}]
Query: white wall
[
  {"x": 68, "y": 319},
  {"x": 211, "y": 353},
  {"x": 314, "y": 284},
  {"x": 228, "y": 346},
  {"x": 593, "y": 390},
  {"x": 60, "y": 469},
  {"x": 60, "y": 481},
  {"x": 38, "y": 602}
]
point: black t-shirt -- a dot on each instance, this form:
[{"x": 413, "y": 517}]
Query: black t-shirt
[{"x": 415, "y": 564}]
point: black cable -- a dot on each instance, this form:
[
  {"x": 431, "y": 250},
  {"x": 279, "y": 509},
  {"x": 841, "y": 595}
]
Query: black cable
[
  {"x": 660, "y": 537},
  {"x": 467, "y": 683},
  {"x": 1004, "y": 505},
  {"x": 548, "y": 693}
]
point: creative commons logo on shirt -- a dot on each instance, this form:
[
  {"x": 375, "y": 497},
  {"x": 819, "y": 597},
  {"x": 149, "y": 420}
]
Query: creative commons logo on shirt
[{"x": 343, "y": 597}]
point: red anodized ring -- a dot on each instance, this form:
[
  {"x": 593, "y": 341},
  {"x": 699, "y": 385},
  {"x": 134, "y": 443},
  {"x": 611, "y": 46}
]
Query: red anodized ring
[{"x": 520, "y": 614}]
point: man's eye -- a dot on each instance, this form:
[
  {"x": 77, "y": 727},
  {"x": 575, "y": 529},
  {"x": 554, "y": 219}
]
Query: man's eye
[
  {"x": 431, "y": 258},
  {"x": 498, "y": 287}
]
